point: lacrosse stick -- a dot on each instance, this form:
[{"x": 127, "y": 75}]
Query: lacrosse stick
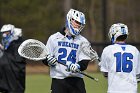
[
  {"x": 89, "y": 51},
  {"x": 35, "y": 50}
]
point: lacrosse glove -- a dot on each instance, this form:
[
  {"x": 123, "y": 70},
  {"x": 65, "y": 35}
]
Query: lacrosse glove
[
  {"x": 51, "y": 60},
  {"x": 73, "y": 67}
]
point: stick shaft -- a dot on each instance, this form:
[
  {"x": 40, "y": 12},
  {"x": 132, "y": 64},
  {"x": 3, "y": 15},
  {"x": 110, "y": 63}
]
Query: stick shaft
[{"x": 83, "y": 73}]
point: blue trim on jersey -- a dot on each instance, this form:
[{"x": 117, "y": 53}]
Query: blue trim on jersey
[
  {"x": 121, "y": 43},
  {"x": 123, "y": 48},
  {"x": 69, "y": 37}
]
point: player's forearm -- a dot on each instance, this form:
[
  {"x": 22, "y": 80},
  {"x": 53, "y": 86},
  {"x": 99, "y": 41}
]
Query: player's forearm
[
  {"x": 45, "y": 62},
  {"x": 83, "y": 64}
]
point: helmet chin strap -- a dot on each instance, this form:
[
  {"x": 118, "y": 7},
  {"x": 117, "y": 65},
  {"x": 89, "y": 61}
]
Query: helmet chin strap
[
  {"x": 112, "y": 39},
  {"x": 67, "y": 32}
]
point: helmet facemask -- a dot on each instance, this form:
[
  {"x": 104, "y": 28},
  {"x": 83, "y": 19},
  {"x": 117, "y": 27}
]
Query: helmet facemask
[
  {"x": 76, "y": 26},
  {"x": 7, "y": 38}
]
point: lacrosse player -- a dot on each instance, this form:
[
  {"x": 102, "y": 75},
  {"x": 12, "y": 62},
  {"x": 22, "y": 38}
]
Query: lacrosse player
[
  {"x": 120, "y": 62},
  {"x": 12, "y": 66},
  {"x": 64, "y": 47}
]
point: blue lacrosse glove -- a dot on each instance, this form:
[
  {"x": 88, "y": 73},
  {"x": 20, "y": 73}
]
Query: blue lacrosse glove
[
  {"x": 73, "y": 67},
  {"x": 51, "y": 60}
]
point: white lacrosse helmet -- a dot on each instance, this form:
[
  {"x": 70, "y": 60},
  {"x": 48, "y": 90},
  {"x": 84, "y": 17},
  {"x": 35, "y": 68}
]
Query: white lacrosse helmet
[
  {"x": 16, "y": 32},
  {"x": 7, "y": 27},
  {"x": 78, "y": 17},
  {"x": 117, "y": 30},
  {"x": 7, "y": 38}
]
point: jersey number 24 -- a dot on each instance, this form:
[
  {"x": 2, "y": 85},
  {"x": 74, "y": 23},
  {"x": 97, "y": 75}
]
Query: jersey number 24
[
  {"x": 124, "y": 62},
  {"x": 71, "y": 56}
]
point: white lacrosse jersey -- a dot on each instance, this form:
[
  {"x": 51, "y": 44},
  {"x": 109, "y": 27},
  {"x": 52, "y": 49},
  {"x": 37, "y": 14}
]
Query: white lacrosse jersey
[
  {"x": 65, "y": 50},
  {"x": 122, "y": 62}
]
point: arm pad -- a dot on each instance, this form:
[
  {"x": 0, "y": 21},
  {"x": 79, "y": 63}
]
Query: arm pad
[{"x": 83, "y": 64}]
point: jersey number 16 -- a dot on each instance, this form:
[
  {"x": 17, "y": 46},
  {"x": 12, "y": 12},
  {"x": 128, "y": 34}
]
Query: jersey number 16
[{"x": 124, "y": 62}]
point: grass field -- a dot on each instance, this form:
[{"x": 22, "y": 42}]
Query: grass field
[{"x": 40, "y": 83}]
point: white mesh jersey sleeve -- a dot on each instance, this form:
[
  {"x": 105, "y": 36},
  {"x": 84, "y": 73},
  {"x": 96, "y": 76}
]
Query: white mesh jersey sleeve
[
  {"x": 80, "y": 54},
  {"x": 104, "y": 60},
  {"x": 50, "y": 46}
]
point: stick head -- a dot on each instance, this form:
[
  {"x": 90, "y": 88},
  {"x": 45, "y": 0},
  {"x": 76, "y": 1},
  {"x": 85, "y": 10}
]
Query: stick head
[
  {"x": 89, "y": 51},
  {"x": 33, "y": 49}
]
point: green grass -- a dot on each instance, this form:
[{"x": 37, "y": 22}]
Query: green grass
[{"x": 40, "y": 83}]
